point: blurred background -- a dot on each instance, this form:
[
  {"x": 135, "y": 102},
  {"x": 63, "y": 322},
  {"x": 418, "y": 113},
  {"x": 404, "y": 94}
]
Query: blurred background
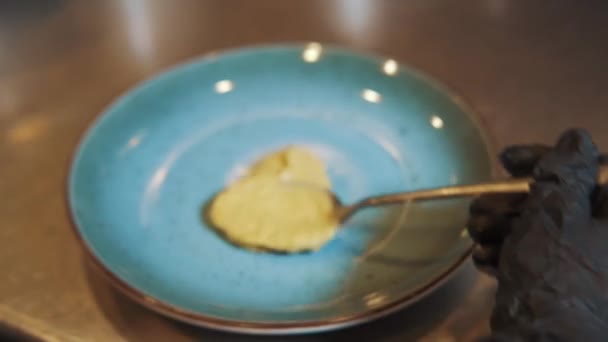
[{"x": 530, "y": 68}]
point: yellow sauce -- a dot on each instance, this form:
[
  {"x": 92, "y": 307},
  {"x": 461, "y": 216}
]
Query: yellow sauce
[
  {"x": 293, "y": 164},
  {"x": 280, "y": 205}
]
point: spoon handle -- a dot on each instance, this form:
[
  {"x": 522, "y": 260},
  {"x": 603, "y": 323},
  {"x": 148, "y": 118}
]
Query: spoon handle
[{"x": 514, "y": 185}]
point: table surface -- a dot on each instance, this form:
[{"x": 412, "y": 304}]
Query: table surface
[{"x": 530, "y": 68}]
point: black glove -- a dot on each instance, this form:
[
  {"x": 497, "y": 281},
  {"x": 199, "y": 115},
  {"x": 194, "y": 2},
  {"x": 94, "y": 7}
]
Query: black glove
[{"x": 548, "y": 249}]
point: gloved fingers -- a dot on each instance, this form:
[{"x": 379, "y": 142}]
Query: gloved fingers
[
  {"x": 565, "y": 178},
  {"x": 600, "y": 194},
  {"x": 488, "y": 229},
  {"x": 574, "y": 163},
  {"x": 520, "y": 160},
  {"x": 500, "y": 338},
  {"x": 486, "y": 258},
  {"x": 600, "y": 202},
  {"x": 491, "y": 215},
  {"x": 505, "y": 204}
]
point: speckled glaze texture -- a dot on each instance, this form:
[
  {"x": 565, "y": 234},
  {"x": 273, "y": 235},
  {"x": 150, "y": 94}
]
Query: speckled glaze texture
[{"x": 148, "y": 166}]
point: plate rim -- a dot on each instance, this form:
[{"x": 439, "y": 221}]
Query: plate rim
[{"x": 259, "y": 327}]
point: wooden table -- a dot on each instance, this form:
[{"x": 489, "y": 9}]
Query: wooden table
[{"x": 531, "y": 68}]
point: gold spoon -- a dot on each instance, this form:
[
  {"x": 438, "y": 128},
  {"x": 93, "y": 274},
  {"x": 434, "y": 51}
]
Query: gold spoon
[{"x": 514, "y": 185}]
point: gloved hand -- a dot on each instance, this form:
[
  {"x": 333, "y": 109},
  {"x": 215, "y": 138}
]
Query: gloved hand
[{"x": 548, "y": 249}]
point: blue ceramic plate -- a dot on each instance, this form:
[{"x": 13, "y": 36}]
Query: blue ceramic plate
[{"x": 147, "y": 167}]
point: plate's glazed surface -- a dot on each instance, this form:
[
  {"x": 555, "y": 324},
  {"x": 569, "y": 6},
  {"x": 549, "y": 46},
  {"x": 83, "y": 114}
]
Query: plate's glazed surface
[{"x": 145, "y": 170}]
